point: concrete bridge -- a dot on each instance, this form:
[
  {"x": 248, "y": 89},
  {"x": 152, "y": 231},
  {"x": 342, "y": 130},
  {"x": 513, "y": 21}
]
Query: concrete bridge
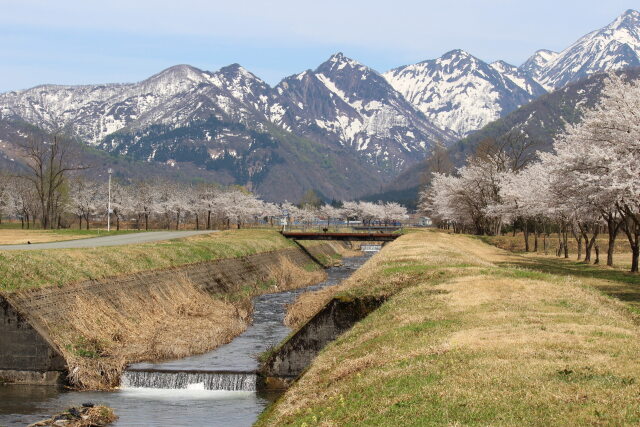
[{"x": 360, "y": 237}]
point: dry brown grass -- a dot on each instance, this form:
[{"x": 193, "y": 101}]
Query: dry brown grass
[
  {"x": 287, "y": 275},
  {"x": 306, "y": 306},
  {"x": 445, "y": 251},
  {"x": 96, "y": 416},
  {"x": 101, "y": 336},
  {"x": 516, "y": 243},
  {"x": 17, "y": 237},
  {"x": 467, "y": 342}
]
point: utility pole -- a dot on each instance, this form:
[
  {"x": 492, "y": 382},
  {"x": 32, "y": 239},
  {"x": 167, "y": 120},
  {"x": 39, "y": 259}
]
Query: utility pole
[{"x": 109, "y": 171}]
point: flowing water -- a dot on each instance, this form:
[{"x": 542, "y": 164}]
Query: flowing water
[{"x": 212, "y": 389}]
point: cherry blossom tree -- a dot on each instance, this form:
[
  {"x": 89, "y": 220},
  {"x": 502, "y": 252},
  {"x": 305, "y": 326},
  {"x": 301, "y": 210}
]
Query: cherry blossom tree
[{"x": 85, "y": 200}]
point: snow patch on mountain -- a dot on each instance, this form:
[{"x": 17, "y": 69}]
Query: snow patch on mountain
[
  {"x": 461, "y": 93},
  {"x": 614, "y": 47}
]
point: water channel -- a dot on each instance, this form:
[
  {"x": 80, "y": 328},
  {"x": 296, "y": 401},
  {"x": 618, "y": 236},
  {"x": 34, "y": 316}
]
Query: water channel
[{"x": 212, "y": 389}]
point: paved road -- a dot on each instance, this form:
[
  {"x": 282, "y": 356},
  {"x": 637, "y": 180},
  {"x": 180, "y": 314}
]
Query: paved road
[{"x": 115, "y": 240}]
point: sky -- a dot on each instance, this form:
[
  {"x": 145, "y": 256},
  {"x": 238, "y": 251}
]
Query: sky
[{"x": 83, "y": 42}]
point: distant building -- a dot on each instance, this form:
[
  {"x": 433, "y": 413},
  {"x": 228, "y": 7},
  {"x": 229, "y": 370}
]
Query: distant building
[{"x": 425, "y": 221}]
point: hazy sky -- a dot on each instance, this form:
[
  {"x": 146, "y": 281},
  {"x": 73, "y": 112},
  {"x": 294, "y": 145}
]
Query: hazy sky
[{"x": 73, "y": 42}]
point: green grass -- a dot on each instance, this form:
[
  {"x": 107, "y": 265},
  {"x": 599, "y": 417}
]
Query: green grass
[
  {"x": 56, "y": 267},
  {"x": 471, "y": 339}
]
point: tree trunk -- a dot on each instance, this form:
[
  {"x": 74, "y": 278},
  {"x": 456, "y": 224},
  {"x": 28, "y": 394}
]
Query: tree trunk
[
  {"x": 613, "y": 227},
  {"x": 526, "y": 236},
  {"x": 578, "y": 238},
  {"x": 177, "y": 220},
  {"x": 588, "y": 245},
  {"x": 197, "y": 222},
  {"x": 597, "y": 248},
  {"x": 117, "y": 222},
  {"x": 146, "y": 221},
  {"x": 632, "y": 230},
  {"x": 208, "y": 220}
]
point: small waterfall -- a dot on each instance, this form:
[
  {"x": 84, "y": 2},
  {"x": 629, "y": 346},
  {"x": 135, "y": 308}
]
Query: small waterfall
[{"x": 201, "y": 380}]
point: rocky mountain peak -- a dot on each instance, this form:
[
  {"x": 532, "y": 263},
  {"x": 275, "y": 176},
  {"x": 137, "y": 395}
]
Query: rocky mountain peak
[
  {"x": 339, "y": 63},
  {"x": 178, "y": 73},
  {"x": 630, "y": 18},
  {"x": 534, "y": 66},
  {"x": 237, "y": 71},
  {"x": 613, "y": 47}
]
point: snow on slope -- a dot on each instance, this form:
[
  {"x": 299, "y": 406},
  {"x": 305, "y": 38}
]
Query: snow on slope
[
  {"x": 534, "y": 66},
  {"x": 346, "y": 102},
  {"x": 613, "y": 47},
  {"x": 521, "y": 79},
  {"x": 461, "y": 93},
  {"x": 174, "y": 97}
]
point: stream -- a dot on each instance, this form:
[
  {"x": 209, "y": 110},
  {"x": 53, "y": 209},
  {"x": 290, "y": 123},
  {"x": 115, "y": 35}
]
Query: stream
[{"x": 212, "y": 389}]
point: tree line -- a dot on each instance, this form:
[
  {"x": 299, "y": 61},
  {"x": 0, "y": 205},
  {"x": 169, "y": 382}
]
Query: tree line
[
  {"x": 589, "y": 184},
  {"x": 54, "y": 193}
]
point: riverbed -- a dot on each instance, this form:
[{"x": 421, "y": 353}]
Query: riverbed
[{"x": 153, "y": 400}]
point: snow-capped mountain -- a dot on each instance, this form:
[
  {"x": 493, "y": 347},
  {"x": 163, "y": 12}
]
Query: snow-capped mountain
[
  {"x": 613, "y": 47},
  {"x": 341, "y": 102},
  {"x": 174, "y": 97},
  {"x": 346, "y": 102},
  {"x": 534, "y": 66},
  {"x": 460, "y": 93},
  {"x": 520, "y": 78},
  {"x": 342, "y": 120},
  {"x": 342, "y": 128}
]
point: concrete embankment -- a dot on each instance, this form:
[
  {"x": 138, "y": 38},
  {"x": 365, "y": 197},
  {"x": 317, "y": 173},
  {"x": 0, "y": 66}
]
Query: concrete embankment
[
  {"x": 289, "y": 360},
  {"x": 78, "y": 331}
]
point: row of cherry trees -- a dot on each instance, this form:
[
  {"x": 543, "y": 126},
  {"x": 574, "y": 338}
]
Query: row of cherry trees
[
  {"x": 588, "y": 185},
  {"x": 173, "y": 205}
]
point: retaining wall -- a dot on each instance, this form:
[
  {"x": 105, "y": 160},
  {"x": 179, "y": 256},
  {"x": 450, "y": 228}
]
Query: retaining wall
[
  {"x": 295, "y": 355},
  {"x": 28, "y": 355}
]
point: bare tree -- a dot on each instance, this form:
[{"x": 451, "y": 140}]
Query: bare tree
[{"x": 49, "y": 163}]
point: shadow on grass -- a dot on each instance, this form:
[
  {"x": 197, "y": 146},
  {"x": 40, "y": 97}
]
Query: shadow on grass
[{"x": 617, "y": 283}]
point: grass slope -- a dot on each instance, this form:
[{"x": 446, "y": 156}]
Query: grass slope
[
  {"x": 55, "y": 267},
  {"x": 470, "y": 338}
]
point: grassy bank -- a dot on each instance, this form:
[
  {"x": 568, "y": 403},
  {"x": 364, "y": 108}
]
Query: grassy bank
[
  {"x": 101, "y": 335},
  {"x": 55, "y": 267},
  {"x": 469, "y": 337}
]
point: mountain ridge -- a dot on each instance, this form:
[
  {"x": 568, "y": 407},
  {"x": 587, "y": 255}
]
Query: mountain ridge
[{"x": 358, "y": 127}]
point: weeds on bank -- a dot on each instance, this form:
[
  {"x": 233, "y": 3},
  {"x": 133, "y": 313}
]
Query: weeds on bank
[
  {"x": 102, "y": 334},
  {"x": 56, "y": 267}
]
